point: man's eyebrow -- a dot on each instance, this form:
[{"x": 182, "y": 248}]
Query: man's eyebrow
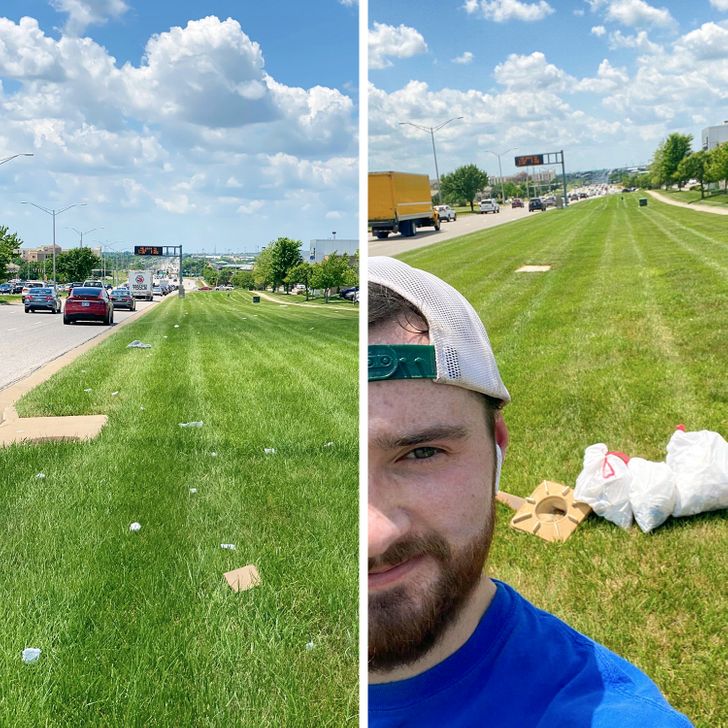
[{"x": 429, "y": 434}]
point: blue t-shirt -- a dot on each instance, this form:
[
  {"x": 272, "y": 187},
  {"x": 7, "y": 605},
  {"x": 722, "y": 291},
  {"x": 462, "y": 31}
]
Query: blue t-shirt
[{"x": 524, "y": 668}]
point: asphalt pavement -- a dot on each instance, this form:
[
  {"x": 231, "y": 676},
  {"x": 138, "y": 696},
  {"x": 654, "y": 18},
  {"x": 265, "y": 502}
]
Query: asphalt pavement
[
  {"x": 30, "y": 340},
  {"x": 396, "y": 244}
]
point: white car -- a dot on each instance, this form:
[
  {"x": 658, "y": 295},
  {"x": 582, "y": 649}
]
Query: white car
[
  {"x": 489, "y": 205},
  {"x": 445, "y": 212}
]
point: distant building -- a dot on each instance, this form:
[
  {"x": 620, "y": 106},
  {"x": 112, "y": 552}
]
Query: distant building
[
  {"x": 322, "y": 248},
  {"x": 39, "y": 255},
  {"x": 712, "y": 136}
]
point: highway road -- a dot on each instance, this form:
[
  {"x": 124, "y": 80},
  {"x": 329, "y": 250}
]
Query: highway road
[
  {"x": 30, "y": 340},
  {"x": 395, "y": 244}
]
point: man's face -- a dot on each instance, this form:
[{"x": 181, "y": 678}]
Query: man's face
[{"x": 431, "y": 472}]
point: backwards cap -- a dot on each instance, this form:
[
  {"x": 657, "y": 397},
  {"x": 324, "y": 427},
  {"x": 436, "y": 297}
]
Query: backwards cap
[{"x": 462, "y": 351}]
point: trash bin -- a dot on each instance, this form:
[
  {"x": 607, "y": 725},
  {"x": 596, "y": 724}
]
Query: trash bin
[
  {"x": 256, "y": 299},
  {"x": 643, "y": 202}
]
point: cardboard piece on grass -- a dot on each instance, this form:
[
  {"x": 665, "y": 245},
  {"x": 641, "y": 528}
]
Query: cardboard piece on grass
[
  {"x": 512, "y": 501},
  {"x": 550, "y": 512},
  {"x": 244, "y": 578},
  {"x": 533, "y": 269}
]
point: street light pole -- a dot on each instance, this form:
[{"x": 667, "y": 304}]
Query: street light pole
[
  {"x": 500, "y": 169},
  {"x": 431, "y": 131},
  {"x": 84, "y": 232},
  {"x": 14, "y": 156},
  {"x": 53, "y": 212}
]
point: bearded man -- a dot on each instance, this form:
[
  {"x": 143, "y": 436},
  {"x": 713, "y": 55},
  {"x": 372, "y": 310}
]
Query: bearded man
[{"x": 449, "y": 646}]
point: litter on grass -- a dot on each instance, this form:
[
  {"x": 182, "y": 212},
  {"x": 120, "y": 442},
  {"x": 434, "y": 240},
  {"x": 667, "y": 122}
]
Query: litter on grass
[
  {"x": 136, "y": 344},
  {"x": 244, "y": 578},
  {"x": 141, "y": 407},
  {"x": 328, "y": 444},
  {"x": 228, "y": 546},
  {"x": 269, "y": 451},
  {"x": 40, "y": 476},
  {"x": 213, "y": 454},
  {"x": 533, "y": 269},
  {"x": 135, "y": 527},
  {"x": 191, "y": 424},
  {"x": 113, "y": 394},
  {"x": 176, "y": 326},
  {"x": 193, "y": 490},
  {"x": 31, "y": 654},
  {"x": 88, "y": 389},
  {"x": 309, "y": 646}
]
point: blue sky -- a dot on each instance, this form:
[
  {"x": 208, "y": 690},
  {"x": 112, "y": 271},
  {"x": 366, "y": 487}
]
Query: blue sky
[
  {"x": 215, "y": 124},
  {"x": 606, "y": 80}
]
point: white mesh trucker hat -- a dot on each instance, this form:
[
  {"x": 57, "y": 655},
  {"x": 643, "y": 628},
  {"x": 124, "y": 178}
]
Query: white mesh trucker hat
[{"x": 462, "y": 352}]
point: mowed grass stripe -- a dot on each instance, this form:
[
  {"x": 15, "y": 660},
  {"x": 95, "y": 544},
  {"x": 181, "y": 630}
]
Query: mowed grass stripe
[
  {"x": 628, "y": 340},
  {"x": 140, "y": 629}
]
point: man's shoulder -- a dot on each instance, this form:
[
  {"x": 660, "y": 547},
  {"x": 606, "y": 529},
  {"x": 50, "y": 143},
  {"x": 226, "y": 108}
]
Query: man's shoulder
[{"x": 586, "y": 678}]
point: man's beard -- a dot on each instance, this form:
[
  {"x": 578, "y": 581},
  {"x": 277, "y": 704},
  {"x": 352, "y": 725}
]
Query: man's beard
[{"x": 404, "y": 623}]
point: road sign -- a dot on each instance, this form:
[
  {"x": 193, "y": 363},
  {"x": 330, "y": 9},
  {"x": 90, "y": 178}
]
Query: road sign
[
  {"x": 529, "y": 160},
  {"x": 148, "y": 250}
]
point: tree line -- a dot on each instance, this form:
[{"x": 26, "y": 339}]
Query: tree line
[{"x": 280, "y": 265}]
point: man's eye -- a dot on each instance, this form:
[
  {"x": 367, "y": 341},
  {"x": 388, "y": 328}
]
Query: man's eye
[{"x": 421, "y": 453}]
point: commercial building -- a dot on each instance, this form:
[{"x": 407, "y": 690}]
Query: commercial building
[
  {"x": 712, "y": 136},
  {"x": 322, "y": 248}
]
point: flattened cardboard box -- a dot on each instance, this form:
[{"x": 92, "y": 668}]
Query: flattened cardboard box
[{"x": 244, "y": 578}]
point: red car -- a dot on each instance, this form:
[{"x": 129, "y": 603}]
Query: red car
[
  {"x": 88, "y": 304},
  {"x": 516, "y": 202}
]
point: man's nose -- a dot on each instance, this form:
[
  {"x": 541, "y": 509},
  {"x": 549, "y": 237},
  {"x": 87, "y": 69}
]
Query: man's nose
[{"x": 384, "y": 529}]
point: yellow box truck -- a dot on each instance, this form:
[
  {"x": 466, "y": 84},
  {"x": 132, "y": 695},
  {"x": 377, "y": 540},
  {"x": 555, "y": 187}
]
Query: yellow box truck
[{"x": 400, "y": 202}]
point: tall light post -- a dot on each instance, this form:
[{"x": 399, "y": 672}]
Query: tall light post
[
  {"x": 431, "y": 131},
  {"x": 500, "y": 169},
  {"x": 84, "y": 232},
  {"x": 53, "y": 213},
  {"x": 14, "y": 156}
]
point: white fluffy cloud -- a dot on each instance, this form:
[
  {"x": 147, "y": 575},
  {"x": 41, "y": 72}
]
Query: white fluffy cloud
[
  {"x": 501, "y": 11},
  {"x": 721, "y": 5},
  {"x": 523, "y": 72},
  {"x": 195, "y": 129},
  {"x": 82, "y": 13},
  {"x": 598, "y": 30},
  {"x": 639, "y": 41},
  {"x": 389, "y": 41},
  {"x": 633, "y": 13},
  {"x": 464, "y": 59}
]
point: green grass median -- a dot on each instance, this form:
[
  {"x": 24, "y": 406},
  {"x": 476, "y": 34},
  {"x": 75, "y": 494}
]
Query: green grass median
[
  {"x": 624, "y": 338},
  {"x": 140, "y": 629}
]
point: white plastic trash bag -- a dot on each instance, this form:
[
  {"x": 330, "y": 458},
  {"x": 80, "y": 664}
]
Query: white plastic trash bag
[
  {"x": 699, "y": 461},
  {"x": 604, "y": 484},
  {"x": 651, "y": 493}
]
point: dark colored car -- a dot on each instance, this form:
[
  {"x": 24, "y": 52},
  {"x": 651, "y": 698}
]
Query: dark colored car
[
  {"x": 18, "y": 287},
  {"x": 42, "y": 299},
  {"x": 536, "y": 204},
  {"x": 349, "y": 293},
  {"x": 88, "y": 304},
  {"x": 6, "y": 288},
  {"x": 516, "y": 202},
  {"x": 121, "y": 298}
]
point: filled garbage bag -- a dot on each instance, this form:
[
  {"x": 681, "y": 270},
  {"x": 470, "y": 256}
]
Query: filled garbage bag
[
  {"x": 651, "y": 493},
  {"x": 604, "y": 483},
  {"x": 699, "y": 461}
]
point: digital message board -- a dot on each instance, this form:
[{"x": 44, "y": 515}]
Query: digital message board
[
  {"x": 148, "y": 250},
  {"x": 529, "y": 160}
]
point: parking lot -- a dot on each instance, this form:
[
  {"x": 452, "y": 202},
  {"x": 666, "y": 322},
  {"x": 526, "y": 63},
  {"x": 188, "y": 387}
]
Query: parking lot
[{"x": 33, "y": 339}]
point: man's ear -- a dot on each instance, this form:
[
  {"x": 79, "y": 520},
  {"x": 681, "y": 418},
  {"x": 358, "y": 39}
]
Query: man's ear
[{"x": 501, "y": 432}]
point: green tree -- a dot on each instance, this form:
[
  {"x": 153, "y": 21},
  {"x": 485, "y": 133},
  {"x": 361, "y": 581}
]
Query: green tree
[
  {"x": 718, "y": 164},
  {"x": 285, "y": 254},
  {"x": 263, "y": 268},
  {"x": 333, "y": 272},
  {"x": 668, "y": 156},
  {"x": 463, "y": 184},
  {"x": 694, "y": 166},
  {"x": 9, "y": 245},
  {"x": 76, "y": 264},
  {"x": 243, "y": 279},
  {"x": 300, "y": 273},
  {"x": 211, "y": 275}
]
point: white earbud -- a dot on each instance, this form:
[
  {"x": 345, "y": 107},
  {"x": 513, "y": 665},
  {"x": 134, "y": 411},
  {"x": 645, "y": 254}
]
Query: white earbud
[{"x": 499, "y": 463}]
